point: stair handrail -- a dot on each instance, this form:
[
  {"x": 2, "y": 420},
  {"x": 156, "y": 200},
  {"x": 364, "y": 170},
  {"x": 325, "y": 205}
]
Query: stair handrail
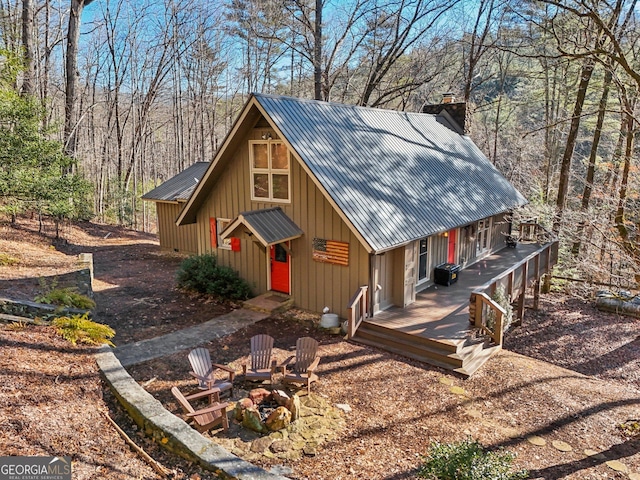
[
  {"x": 496, "y": 333},
  {"x": 358, "y": 310}
]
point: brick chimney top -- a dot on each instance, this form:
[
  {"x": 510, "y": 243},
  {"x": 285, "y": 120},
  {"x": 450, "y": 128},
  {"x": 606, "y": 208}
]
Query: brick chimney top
[{"x": 448, "y": 97}]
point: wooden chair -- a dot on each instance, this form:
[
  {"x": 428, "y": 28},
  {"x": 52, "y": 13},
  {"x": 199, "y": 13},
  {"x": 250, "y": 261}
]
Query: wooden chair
[
  {"x": 205, "y": 418},
  {"x": 262, "y": 367},
  {"x": 301, "y": 367},
  {"x": 204, "y": 371}
]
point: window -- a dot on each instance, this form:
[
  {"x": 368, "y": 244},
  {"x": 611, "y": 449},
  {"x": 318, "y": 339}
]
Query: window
[
  {"x": 423, "y": 257},
  {"x": 269, "y": 162},
  {"x": 483, "y": 235},
  {"x": 221, "y": 224}
]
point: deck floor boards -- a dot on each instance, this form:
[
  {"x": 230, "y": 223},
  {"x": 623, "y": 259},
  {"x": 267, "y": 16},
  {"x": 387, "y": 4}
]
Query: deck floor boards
[{"x": 442, "y": 313}]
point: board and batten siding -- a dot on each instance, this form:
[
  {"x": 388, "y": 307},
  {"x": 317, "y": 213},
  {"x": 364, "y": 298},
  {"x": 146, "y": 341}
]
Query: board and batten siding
[
  {"x": 314, "y": 285},
  {"x": 182, "y": 239}
]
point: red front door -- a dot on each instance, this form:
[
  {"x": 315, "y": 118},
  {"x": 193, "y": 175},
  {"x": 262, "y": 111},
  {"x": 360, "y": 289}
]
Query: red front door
[
  {"x": 280, "y": 268},
  {"x": 451, "y": 257}
]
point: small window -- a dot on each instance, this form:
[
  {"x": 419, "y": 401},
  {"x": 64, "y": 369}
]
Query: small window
[
  {"x": 223, "y": 223},
  {"x": 270, "y": 171},
  {"x": 423, "y": 256}
]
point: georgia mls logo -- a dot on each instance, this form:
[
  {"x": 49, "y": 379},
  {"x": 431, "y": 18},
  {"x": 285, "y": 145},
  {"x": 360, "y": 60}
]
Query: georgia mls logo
[{"x": 35, "y": 468}]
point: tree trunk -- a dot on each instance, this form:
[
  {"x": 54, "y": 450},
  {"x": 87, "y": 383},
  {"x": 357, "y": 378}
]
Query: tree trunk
[
  {"x": 28, "y": 82},
  {"x": 628, "y": 244},
  {"x": 565, "y": 166},
  {"x": 71, "y": 71},
  {"x": 317, "y": 51},
  {"x": 591, "y": 167}
]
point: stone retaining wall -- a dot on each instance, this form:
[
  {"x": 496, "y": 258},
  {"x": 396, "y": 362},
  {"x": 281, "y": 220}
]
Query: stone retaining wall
[{"x": 170, "y": 431}]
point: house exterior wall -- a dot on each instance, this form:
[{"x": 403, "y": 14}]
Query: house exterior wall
[
  {"x": 172, "y": 238},
  {"x": 314, "y": 285},
  {"x": 393, "y": 272}
]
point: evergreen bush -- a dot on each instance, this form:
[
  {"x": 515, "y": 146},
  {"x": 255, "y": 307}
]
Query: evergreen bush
[
  {"x": 467, "y": 460},
  {"x": 202, "y": 274}
]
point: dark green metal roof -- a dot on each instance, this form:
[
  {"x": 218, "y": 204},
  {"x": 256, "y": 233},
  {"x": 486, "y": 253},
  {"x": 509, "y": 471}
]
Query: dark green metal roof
[{"x": 179, "y": 187}]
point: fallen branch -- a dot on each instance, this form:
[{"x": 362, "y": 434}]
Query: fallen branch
[{"x": 163, "y": 471}]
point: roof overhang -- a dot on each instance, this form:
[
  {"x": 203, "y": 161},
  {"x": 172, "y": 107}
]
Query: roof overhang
[{"x": 269, "y": 226}]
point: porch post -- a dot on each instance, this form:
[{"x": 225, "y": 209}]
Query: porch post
[
  {"x": 536, "y": 284},
  {"x": 523, "y": 291}
]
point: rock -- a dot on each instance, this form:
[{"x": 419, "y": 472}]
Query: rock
[
  {"x": 617, "y": 466},
  {"x": 537, "y": 441},
  {"x": 258, "y": 395},
  {"x": 311, "y": 449},
  {"x": 562, "y": 446},
  {"x": 281, "y": 470},
  {"x": 345, "y": 407},
  {"x": 280, "y": 446},
  {"x": 261, "y": 444},
  {"x": 278, "y": 419},
  {"x": 280, "y": 397},
  {"x": 241, "y": 406},
  {"x": 251, "y": 419},
  {"x": 293, "y": 405}
]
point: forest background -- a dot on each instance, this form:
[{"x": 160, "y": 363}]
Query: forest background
[{"x": 102, "y": 100}]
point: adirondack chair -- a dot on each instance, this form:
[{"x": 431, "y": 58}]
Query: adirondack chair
[
  {"x": 262, "y": 367},
  {"x": 204, "y": 371},
  {"x": 301, "y": 367},
  {"x": 205, "y": 418}
]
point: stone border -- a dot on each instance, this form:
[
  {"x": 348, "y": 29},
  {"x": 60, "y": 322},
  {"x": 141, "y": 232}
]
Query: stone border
[{"x": 169, "y": 431}]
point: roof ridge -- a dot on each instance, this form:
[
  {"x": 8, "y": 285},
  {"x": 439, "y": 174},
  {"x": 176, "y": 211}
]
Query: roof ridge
[{"x": 337, "y": 104}]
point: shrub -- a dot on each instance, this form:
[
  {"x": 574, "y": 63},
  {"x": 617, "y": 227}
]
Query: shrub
[
  {"x": 66, "y": 297},
  {"x": 467, "y": 460},
  {"x": 78, "y": 328},
  {"x": 7, "y": 260},
  {"x": 203, "y": 274}
]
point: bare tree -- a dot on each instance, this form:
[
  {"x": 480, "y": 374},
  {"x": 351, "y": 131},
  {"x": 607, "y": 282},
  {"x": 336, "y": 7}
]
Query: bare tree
[{"x": 71, "y": 71}]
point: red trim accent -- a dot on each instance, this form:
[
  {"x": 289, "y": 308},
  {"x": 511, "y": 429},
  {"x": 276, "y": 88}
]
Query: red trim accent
[
  {"x": 451, "y": 257},
  {"x": 214, "y": 232}
]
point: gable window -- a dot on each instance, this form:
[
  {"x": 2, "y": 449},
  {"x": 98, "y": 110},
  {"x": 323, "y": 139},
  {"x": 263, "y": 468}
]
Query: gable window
[
  {"x": 269, "y": 162},
  {"x": 221, "y": 224}
]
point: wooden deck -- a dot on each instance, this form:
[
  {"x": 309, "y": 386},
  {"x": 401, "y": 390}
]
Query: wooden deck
[
  {"x": 436, "y": 328},
  {"x": 442, "y": 313}
]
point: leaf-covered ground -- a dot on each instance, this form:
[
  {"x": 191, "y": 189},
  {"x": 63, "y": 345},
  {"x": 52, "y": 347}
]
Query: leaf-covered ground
[{"x": 52, "y": 400}]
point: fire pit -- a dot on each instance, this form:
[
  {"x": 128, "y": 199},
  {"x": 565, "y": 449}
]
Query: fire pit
[{"x": 264, "y": 411}]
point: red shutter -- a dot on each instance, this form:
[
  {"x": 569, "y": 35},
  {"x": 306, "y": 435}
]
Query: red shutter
[
  {"x": 235, "y": 244},
  {"x": 214, "y": 232}
]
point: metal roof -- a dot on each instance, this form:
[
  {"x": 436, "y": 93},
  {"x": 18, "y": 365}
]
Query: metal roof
[
  {"x": 269, "y": 225},
  {"x": 397, "y": 176},
  {"x": 179, "y": 187}
]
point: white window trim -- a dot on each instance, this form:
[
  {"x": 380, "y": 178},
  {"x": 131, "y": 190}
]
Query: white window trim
[
  {"x": 422, "y": 281},
  {"x": 226, "y": 243},
  {"x": 269, "y": 171},
  {"x": 487, "y": 233}
]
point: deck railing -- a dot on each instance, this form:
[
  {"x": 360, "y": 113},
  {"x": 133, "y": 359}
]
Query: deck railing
[
  {"x": 358, "y": 310},
  {"x": 514, "y": 281},
  {"x": 532, "y": 231}
]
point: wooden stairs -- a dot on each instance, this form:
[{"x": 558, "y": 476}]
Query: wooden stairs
[{"x": 463, "y": 357}]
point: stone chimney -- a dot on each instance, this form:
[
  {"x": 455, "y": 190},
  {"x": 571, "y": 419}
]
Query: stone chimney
[{"x": 456, "y": 110}]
